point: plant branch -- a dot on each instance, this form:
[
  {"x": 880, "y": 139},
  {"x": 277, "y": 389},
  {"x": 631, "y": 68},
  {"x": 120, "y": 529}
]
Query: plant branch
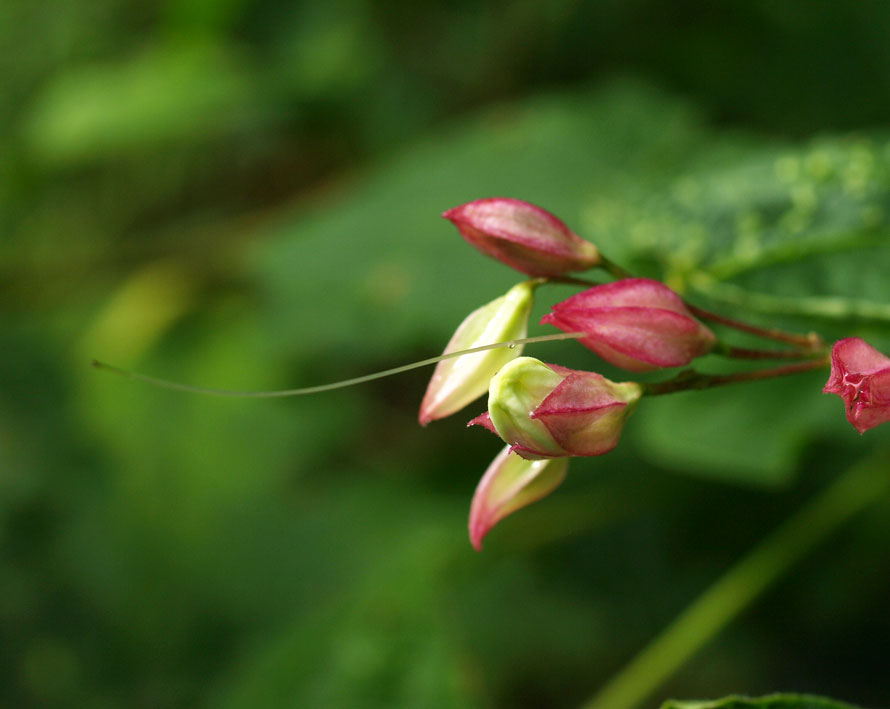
[
  {"x": 811, "y": 341},
  {"x": 690, "y": 379},
  {"x": 745, "y": 353},
  {"x": 572, "y": 280},
  {"x": 613, "y": 268}
]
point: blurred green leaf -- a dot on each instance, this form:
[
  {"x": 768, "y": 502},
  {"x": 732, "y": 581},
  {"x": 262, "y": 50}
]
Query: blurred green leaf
[
  {"x": 748, "y": 433},
  {"x": 167, "y": 93},
  {"x": 805, "y": 229},
  {"x": 743, "y": 207},
  {"x": 327, "y": 52},
  {"x": 772, "y": 701},
  {"x": 382, "y": 641}
]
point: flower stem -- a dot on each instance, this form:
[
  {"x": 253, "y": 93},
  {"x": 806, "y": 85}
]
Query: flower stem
[
  {"x": 745, "y": 353},
  {"x": 613, "y": 268},
  {"x": 741, "y": 585},
  {"x": 167, "y": 384},
  {"x": 811, "y": 341},
  {"x": 690, "y": 379},
  {"x": 572, "y": 280}
]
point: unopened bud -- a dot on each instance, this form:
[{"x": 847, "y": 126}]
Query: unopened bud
[
  {"x": 523, "y": 236},
  {"x": 458, "y": 381},
  {"x": 636, "y": 323},
  {"x": 509, "y": 484},
  {"x": 546, "y": 411},
  {"x": 860, "y": 375}
]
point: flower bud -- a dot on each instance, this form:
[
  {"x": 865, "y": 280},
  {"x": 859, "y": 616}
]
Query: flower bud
[
  {"x": 509, "y": 484},
  {"x": 547, "y": 411},
  {"x": 860, "y": 375},
  {"x": 523, "y": 236},
  {"x": 458, "y": 381},
  {"x": 636, "y": 323}
]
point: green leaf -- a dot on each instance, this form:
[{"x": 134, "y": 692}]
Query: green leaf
[
  {"x": 771, "y": 701},
  {"x": 172, "y": 93},
  {"x": 781, "y": 230},
  {"x": 732, "y": 211}
]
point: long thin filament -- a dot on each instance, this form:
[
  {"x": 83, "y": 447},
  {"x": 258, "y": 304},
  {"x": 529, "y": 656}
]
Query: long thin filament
[{"x": 166, "y": 384}]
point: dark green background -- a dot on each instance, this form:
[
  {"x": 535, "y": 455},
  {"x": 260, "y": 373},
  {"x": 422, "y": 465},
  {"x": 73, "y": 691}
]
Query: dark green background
[{"x": 247, "y": 195}]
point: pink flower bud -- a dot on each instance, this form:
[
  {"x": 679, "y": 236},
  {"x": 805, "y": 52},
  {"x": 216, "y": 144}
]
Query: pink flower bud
[
  {"x": 860, "y": 375},
  {"x": 523, "y": 236},
  {"x": 458, "y": 381},
  {"x": 547, "y": 411},
  {"x": 509, "y": 484},
  {"x": 637, "y": 324}
]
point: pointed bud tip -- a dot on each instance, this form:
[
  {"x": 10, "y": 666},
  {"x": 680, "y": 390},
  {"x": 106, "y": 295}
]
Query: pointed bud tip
[
  {"x": 477, "y": 534},
  {"x": 509, "y": 484},
  {"x": 484, "y": 420},
  {"x": 523, "y": 236}
]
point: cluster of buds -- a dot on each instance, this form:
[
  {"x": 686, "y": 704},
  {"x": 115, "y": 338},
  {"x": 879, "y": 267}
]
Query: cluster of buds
[{"x": 546, "y": 413}]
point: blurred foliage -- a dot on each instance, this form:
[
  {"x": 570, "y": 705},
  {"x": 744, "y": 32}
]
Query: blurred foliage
[
  {"x": 773, "y": 701},
  {"x": 246, "y": 195}
]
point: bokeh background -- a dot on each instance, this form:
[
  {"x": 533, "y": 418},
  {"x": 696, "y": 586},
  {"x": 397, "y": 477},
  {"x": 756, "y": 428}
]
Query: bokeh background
[{"x": 246, "y": 194}]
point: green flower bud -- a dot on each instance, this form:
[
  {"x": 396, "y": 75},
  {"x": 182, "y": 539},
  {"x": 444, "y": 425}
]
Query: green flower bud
[
  {"x": 458, "y": 381},
  {"x": 547, "y": 411},
  {"x": 515, "y": 392}
]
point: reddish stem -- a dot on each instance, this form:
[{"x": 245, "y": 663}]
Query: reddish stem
[
  {"x": 690, "y": 379},
  {"x": 811, "y": 342},
  {"x": 745, "y": 353}
]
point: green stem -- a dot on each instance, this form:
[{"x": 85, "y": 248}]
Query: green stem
[
  {"x": 167, "y": 384},
  {"x": 613, "y": 268},
  {"x": 690, "y": 379},
  {"x": 741, "y": 585},
  {"x": 572, "y": 280},
  {"x": 825, "y": 307}
]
